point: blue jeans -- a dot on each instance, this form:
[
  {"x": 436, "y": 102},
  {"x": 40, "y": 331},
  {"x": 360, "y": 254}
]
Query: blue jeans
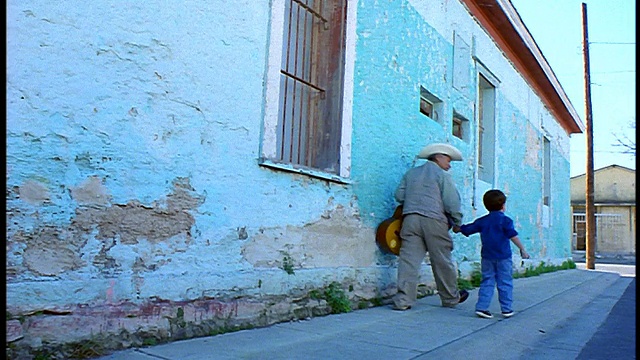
[{"x": 496, "y": 273}]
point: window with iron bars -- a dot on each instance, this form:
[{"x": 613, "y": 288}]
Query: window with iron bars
[{"x": 308, "y": 130}]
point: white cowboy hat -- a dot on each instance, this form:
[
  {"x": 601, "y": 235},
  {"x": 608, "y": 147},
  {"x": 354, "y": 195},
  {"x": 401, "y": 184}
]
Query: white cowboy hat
[{"x": 440, "y": 148}]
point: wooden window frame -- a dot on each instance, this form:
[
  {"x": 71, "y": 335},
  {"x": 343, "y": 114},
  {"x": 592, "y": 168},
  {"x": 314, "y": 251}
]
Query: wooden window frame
[
  {"x": 290, "y": 141},
  {"x": 426, "y": 107},
  {"x": 457, "y": 129},
  {"x": 486, "y": 125},
  {"x": 430, "y": 105}
]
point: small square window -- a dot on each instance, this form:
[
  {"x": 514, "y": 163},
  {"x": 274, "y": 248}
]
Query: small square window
[
  {"x": 460, "y": 127},
  {"x": 456, "y": 127},
  {"x": 430, "y": 105},
  {"x": 426, "y": 107}
]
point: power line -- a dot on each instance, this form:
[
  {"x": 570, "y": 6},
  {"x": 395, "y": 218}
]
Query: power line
[
  {"x": 614, "y": 72},
  {"x": 598, "y": 151},
  {"x": 611, "y": 43}
]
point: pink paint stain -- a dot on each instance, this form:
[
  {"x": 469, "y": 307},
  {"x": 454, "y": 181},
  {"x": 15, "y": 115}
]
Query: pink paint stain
[{"x": 110, "y": 291}]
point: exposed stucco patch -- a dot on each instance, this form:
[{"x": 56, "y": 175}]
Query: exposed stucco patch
[
  {"x": 91, "y": 191},
  {"x": 336, "y": 239},
  {"x": 184, "y": 196},
  {"x": 50, "y": 252},
  {"x": 134, "y": 221},
  {"x": 33, "y": 192},
  {"x": 50, "y": 261},
  {"x": 531, "y": 155}
]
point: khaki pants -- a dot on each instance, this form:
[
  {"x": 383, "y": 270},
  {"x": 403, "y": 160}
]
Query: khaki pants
[{"x": 420, "y": 234}]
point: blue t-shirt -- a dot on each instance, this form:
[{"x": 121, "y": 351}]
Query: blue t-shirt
[{"x": 496, "y": 230}]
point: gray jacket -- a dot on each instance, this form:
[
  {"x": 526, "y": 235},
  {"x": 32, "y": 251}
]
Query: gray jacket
[{"x": 428, "y": 190}]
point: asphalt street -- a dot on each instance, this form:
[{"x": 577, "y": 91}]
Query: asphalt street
[{"x": 616, "y": 337}]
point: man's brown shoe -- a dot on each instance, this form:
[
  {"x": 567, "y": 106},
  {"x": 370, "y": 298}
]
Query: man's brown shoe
[{"x": 464, "y": 294}]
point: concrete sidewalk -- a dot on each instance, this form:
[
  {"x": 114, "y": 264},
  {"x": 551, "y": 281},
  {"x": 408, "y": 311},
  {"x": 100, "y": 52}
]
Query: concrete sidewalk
[{"x": 548, "y": 324}]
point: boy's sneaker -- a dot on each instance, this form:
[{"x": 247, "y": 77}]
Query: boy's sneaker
[
  {"x": 507, "y": 313},
  {"x": 484, "y": 314},
  {"x": 401, "y": 308}
]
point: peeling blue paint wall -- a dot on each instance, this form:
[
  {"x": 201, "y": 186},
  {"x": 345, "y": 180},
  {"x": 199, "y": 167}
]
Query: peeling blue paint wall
[
  {"x": 133, "y": 177},
  {"x": 398, "y": 51},
  {"x": 133, "y": 184}
]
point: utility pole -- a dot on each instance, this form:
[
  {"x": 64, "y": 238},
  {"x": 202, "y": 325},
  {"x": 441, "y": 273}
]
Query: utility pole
[{"x": 590, "y": 208}]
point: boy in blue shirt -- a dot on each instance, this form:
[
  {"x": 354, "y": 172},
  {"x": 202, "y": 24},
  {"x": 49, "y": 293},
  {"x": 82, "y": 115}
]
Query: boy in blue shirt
[{"x": 496, "y": 229}]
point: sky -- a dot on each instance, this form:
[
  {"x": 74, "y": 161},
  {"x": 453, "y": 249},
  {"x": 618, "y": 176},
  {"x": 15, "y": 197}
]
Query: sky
[{"x": 556, "y": 27}]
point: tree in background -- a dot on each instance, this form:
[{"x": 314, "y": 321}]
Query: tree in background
[{"x": 627, "y": 143}]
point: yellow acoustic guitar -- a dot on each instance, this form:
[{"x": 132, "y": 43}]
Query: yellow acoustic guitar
[{"x": 388, "y": 233}]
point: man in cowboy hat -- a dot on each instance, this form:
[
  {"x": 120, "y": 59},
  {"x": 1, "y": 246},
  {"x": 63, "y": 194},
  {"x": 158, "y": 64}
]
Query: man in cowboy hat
[{"x": 430, "y": 206}]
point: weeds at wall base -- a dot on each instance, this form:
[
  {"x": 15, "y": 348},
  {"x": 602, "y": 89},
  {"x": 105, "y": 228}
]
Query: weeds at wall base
[
  {"x": 337, "y": 301},
  {"x": 476, "y": 275}
]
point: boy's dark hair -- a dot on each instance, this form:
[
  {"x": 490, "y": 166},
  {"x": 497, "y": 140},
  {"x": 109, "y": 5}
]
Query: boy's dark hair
[{"x": 494, "y": 200}]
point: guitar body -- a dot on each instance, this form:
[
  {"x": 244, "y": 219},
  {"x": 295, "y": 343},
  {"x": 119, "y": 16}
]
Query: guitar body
[{"x": 388, "y": 233}]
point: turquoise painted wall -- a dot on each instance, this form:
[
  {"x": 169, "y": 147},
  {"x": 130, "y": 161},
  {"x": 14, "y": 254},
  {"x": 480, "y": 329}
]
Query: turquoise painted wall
[
  {"x": 146, "y": 116},
  {"x": 133, "y": 145},
  {"x": 397, "y": 52}
]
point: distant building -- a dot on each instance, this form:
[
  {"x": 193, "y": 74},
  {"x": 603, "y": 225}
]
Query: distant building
[{"x": 615, "y": 210}]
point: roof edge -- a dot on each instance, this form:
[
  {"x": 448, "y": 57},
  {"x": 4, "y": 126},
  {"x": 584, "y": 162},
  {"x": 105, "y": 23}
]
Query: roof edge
[
  {"x": 604, "y": 168},
  {"x": 520, "y": 47}
]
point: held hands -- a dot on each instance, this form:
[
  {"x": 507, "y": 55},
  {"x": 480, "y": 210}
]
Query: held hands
[
  {"x": 524, "y": 254},
  {"x": 456, "y": 229}
]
